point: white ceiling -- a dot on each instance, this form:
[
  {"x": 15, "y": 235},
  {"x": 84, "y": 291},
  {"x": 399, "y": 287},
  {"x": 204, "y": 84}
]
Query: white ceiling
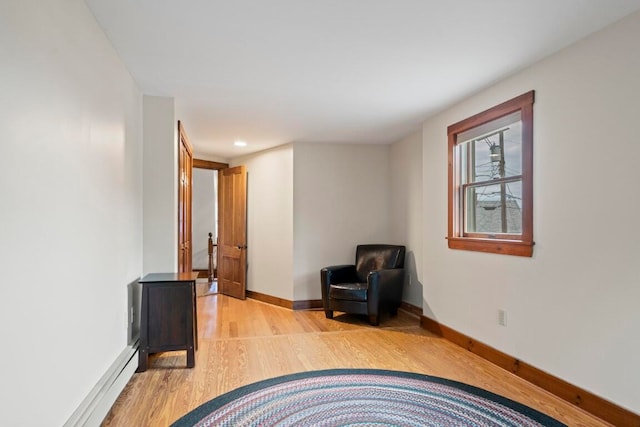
[{"x": 272, "y": 72}]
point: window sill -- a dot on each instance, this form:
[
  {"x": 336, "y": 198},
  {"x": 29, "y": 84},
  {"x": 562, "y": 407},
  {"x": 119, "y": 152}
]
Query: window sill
[{"x": 495, "y": 246}]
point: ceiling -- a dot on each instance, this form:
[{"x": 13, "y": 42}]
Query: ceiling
[{"x": 270, "y": 72}]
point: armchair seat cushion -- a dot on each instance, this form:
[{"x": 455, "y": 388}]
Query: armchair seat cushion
[{"x": 349, "y": 291}]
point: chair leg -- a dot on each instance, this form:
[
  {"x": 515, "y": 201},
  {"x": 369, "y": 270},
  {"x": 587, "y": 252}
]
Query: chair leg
[
  {"x": 374, "y": 320},
  {"x": 328, "y": 314}
]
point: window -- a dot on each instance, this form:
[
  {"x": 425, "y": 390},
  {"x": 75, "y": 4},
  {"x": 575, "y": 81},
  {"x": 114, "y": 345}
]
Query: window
[{"x": 491, "y": 179}]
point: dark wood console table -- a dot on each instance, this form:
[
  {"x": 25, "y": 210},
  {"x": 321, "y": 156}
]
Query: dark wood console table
[{"x": 168, "y": 316}]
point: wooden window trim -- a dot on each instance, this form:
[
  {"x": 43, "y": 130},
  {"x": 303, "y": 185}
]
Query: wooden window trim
[{"x": 520, "y": 245}]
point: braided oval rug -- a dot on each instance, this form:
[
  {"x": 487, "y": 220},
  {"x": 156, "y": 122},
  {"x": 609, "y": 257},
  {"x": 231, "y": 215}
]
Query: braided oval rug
[{"x": 362, "y": 397}]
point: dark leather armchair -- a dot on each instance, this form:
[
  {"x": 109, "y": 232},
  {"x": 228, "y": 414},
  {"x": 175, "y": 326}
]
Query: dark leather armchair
[{"x": 376, "y": 280}]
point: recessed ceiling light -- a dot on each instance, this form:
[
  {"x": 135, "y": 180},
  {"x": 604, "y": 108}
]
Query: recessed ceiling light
[{"x": 240, "y": 144}]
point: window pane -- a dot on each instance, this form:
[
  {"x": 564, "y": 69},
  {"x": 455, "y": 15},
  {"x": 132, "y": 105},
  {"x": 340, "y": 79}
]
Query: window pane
[
  {"x": 496, "y": 152},
  {"x": 494, "y": 208}
]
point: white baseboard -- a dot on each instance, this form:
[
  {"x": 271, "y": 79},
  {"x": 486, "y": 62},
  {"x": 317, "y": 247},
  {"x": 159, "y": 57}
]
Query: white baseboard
[{"x": 95, "y": 407}]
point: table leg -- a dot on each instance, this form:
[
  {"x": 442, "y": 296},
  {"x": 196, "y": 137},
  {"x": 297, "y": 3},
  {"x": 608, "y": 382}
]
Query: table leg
[
  {"x": 143, "y": 359},
  {"x": 191, "y": 357}
]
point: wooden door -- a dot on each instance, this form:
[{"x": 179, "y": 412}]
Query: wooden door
[
  {"x": 185, "y": 169},
  {"x": 232, "y": 237}
]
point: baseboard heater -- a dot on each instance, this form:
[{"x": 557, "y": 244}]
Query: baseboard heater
[{"x": 95, "y": 407}]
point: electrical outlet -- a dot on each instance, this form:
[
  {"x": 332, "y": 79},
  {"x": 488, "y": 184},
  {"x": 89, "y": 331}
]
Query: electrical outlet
[{"x": 502, "y": 317}]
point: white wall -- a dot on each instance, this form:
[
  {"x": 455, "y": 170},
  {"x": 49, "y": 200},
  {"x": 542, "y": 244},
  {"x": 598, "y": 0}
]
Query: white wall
[
  {"x": 160, "y": 183},
  {"x": 405, "y": 157},
  {"x": 71, "y": 213},
  {"x": 309, "y": 205},
  {"x": 270, "y": 221},
  {"x": 340, "y": 199},
  {"x": 203, "y": 215},
  {"x": 573, "y": 307}
]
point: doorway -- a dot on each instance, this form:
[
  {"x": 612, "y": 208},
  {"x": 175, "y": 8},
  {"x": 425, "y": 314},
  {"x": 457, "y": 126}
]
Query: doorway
[{"x": 205, "y": 224}]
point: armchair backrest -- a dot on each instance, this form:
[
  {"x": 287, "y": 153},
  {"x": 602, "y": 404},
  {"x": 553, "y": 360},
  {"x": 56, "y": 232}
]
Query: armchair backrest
[{"x": 377, "y": 257}]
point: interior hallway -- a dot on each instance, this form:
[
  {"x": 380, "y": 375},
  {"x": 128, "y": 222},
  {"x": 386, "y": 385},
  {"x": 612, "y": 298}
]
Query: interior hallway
[{"x": 241, "y": 342}]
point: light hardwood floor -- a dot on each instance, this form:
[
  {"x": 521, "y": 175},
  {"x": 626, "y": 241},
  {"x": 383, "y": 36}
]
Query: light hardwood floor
[{"x": 241, "y": 342}]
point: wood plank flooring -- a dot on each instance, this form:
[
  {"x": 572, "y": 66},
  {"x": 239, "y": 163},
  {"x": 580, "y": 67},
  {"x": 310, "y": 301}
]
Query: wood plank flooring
[{"x": 241, "y": 342}]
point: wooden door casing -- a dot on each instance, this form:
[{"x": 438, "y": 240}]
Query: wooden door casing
[
  {"x": 232, "y": 241},
  {"x": 215, "y": 167}
]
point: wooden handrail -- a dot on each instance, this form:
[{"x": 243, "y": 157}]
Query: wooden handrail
[{"x": 211, "y": 271}]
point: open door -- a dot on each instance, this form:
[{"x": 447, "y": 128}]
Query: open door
[
  {"x": 232, "y": 238},
  {"x": 185, "y": 170}
]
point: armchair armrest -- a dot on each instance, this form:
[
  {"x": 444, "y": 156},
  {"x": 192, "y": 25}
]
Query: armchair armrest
[
  {"x": 385, "y": 284},
  {"x": 336, "y": 274},
  {"x": 339, "y": 274}
]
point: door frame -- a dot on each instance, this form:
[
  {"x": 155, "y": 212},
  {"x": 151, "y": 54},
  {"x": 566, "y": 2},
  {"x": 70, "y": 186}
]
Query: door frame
[{"x": 216, "y": 166}]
